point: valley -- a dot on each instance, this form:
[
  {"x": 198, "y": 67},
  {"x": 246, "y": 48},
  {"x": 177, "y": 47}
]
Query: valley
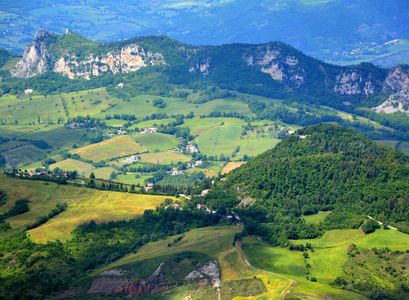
[{"x": 150, "y": 168}]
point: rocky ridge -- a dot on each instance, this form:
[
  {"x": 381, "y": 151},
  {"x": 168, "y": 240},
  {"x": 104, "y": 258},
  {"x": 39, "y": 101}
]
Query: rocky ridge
[{"x": 37, "y": 59}]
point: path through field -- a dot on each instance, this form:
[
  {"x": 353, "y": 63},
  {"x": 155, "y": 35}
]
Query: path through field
[{"x": 243, "y": 256}]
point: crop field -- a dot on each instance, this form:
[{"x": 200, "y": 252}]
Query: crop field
[
  {"x": 151, "y": 123},
  {"x": 11, "y": 145},
  {"x": 254, "y": 147},
  {"x": 141, "y": 106},
  {"x": 231, "y": 166},
  {"x": 164, "y": 157},
  {"x": 392, "y": 144},
  {"x": 156, "y": 141},
  {"x": 17, "y": 131},
  {"x": 114, "y": 147},
  {"x": 101, "y": 206},
  {"x": 47, "y": 109},
  {"x": 89, "y": 102},
  {"x": 73, "y": 165}
]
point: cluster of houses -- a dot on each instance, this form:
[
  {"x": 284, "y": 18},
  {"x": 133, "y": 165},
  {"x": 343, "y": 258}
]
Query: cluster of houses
[
  {"x": 149, "y": 130},
  {"x": 119, "y": 131},
  {"x": 148, "y": 187},
  {"x": 130, "y": 160},
  {"x": 28, "y": 91},
  {"x": 175, "y": 171}
]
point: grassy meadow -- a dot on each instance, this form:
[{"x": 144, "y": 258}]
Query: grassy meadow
[
  {"x": 102, "y": 206},
  {"x": 117, "y": 146}
]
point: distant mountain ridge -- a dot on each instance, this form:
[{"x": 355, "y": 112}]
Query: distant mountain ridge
[{"x": 287, "y": 68}]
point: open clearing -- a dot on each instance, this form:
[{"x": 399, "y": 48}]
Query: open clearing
[{"x": 117, "y": 146}]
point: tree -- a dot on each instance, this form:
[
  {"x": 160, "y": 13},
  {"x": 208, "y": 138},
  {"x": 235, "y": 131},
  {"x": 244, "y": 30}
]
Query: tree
[{"x": 92, "y": 175}]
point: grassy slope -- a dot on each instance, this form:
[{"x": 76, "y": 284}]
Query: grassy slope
[
  {"x": 327, "y": 260},
  {"x": 114, "y": 147},
  {"x": 215, "y": 242}
]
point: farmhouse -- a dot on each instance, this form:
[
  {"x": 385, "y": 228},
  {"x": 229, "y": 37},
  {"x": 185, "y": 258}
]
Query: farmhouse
[
  {"x": 192, "y": 149},
  {"x": 28, "y": 91},
  {"x": 198, "y": 163},
  {"x": 148, "y": 187},
  {"x": 121, "y": 85},
  {"x": 121, "y": 132}
]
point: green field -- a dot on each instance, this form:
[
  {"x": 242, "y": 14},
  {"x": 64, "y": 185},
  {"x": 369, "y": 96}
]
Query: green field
[
  {"x": 73, "y": 165},
  {"x": 156, "y": 141},
  {"x": 117, "y": 146},
  {"x": 404, "y": 147},
  {"x": 89, "y": 102},
  {"x": 141, "y": 106},
  {"x": 130, "y": 178},
  {"x": 48, "y": 109}
]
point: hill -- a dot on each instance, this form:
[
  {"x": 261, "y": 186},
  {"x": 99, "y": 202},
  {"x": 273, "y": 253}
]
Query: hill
[
  {"x": 327, "y": 168},
  {"x": 315, "y": 27}
]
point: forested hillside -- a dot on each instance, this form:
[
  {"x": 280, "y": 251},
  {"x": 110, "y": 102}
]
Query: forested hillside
[{"x": 325, "y": 168}]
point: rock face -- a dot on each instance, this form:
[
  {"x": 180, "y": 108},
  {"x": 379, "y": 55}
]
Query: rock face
[
  {"x": 37, "y": 60},
  {"x": 210, "y": 270},
  {"x": 281, "y": 67},
  {"x": 397, "y": 81},
  {"x": 353, "y": 82}
]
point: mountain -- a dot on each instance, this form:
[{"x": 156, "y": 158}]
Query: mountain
[
  {"x": 328, "y": 30},
  {"x": 276, "y": 66}
]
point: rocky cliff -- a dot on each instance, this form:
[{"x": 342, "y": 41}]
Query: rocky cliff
[
  {"x": 281, "y": 67},
  {"x": 38, "y": 59},
  {"x": 397, "y": 82},
  {"x": 353, "y": 82}
]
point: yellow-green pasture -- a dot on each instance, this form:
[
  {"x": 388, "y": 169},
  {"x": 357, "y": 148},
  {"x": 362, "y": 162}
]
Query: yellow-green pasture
[
  {"x": 101, "y": 206},
  {"x": 117, "y": 146}
]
